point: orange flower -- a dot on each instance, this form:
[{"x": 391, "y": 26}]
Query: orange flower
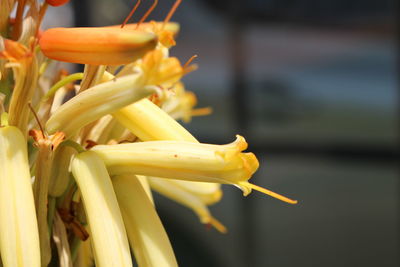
[{"x": 96, "y": 45}]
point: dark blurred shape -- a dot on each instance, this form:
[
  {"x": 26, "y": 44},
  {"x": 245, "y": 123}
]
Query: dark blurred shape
[
  {"x": 82, "y": 13},
  {"x": 328, "y": 12}
]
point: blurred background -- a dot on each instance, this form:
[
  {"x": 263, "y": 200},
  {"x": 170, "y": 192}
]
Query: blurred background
[{"x": 313, "y": 87}]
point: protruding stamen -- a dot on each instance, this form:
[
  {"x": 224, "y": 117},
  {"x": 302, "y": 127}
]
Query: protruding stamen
[
  {"x": 171, "y": 12},
  {"x": 189, "y": 61},
  {"x": 130, "y": 14},
  {"x": 217, "y": 225},
  {"x": 37, "y": 118},
  {"x": 148, "y": 12},
  {"x": 201, "y": 111},
  {"x": 270, "y": 193}
]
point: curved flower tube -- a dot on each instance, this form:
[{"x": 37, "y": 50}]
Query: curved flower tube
[
  {"x": 172, "y": 190},
  {"x": 96, "y": 102},
  {"x": 189, "y": 161},
  {"x": 149, "y": 123},
  {"x": 207, "y": 193},
  {"x": 146, "y": 233},
  {"x": 19, "y": 238},
  {"x": 182, "y": 160},
  {"x": 108, "y": 234}
]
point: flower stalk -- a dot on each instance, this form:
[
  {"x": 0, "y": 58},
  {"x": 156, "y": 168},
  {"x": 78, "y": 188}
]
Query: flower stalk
[
  {"x": 25, "y": 71},
  {"x": 46, "y": 146}
]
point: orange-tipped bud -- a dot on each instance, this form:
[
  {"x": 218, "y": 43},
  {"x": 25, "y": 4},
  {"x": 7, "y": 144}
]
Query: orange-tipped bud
[
  {"x": 152, "y": 26},
  {"x": 96, "y": 46},
  {"x": 166, "y": 32},
  {"x": 57, "y": 2}
]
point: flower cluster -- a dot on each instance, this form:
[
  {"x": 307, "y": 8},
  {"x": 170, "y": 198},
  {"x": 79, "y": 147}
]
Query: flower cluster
[{"x": 81, "y": 153}]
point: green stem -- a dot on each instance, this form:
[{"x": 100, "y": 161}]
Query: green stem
[
  {"x": 61, "y": 83},
  {"x": 74, "y": 145}
]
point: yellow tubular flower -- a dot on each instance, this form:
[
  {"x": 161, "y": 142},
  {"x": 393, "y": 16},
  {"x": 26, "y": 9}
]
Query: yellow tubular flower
[
  {"x": 108, "y": 236},
  {"x": 187, "y": 161},
  {"x": 159, "y": 69},
  {"x": 207, "y": 193},
  {"x": 180, "y": 104},
  {"x": 96, "y": 102},
  {"x": 148, "y": 122},
  {"x": 96, "y": 45},
  {"x": 19, "y": 239},
  {"x": 146, "y": 233},
  {"x": 182, "y": 160},
  {"x": 185, "y": 198}
]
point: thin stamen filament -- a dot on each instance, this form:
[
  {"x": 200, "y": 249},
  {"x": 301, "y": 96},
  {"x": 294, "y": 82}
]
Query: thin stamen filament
[{"x": 269, "y": 192}]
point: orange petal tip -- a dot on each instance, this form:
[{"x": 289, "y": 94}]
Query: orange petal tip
[{"x": 57, "y": 2}]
